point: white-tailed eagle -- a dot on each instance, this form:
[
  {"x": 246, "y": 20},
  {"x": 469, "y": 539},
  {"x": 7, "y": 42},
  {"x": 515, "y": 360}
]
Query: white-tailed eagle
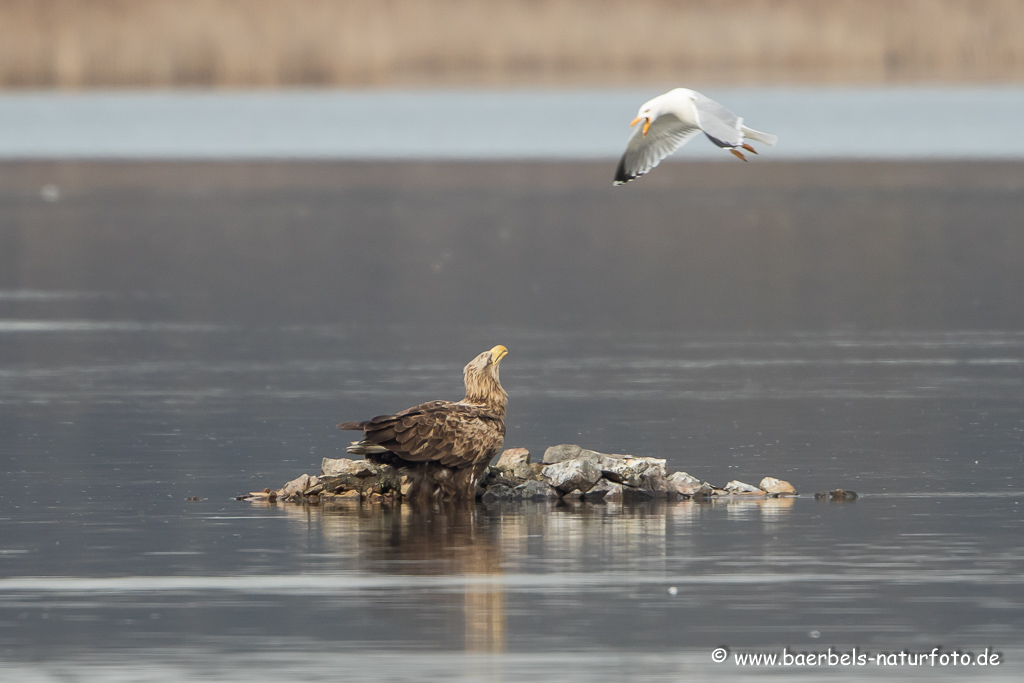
[{"x": 444, "y": 446}]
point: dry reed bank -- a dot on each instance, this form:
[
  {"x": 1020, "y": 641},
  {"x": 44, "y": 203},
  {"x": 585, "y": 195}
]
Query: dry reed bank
[{"x": 131, "y": 43}]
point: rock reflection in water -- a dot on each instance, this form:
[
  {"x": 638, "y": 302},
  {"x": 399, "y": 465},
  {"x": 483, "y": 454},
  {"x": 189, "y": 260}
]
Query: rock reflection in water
[{"x": 488, "y": 544}]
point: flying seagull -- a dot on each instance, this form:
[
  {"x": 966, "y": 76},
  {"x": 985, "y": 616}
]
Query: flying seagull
[
  {"x": 672, "y": 119},
  {"x": 444, "y": 446}
]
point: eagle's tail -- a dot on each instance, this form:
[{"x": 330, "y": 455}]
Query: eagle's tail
[{"x": 365, "y": 448}]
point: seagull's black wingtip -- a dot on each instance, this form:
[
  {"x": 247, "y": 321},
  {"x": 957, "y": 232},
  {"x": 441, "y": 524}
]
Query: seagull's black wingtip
[{"x": 621, "y": 176}]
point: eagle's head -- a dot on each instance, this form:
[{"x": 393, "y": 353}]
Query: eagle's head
[{"x": 482, "y": 383}]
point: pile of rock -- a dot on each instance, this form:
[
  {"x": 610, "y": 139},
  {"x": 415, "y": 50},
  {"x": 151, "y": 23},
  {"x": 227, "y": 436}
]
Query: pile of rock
[
  {"x": 570, "y": 472},
  {"x": 566, "y": 472}
]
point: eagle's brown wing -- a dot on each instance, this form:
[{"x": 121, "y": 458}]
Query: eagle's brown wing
[{"x": 453, "y": 434}]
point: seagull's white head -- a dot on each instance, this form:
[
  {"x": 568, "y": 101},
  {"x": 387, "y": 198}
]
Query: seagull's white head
[
  {"x": 670, "y": 102},
  {"x": 648, "y": 111}
]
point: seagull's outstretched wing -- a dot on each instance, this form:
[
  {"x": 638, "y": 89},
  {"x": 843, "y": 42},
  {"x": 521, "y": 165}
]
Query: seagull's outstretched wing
[
  {"x": 720, "y": 125},
  {"x": 666, "y": 134}
]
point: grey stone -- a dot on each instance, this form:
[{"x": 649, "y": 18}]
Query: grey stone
[
  {"x": 496, "y": 493},
  {"x": 565, "y": 451},
  {"x": 654, "y": 477},
  {"x": 703, "y": 492},
  {"x": 493, "y": 476},
  {"x": 511, "y": 457},
  {"x": 342, "y": 467},
  {"x": 622, "y": 472},
  {"x": 837, "y": 496},
  {"x": 777, "y": 487},
  {"x": 569, "y": 451},
  {"x": 572, "y": 474},
  {"x": 636, "y": 495},
  {"x": 536, "y": 490},
  {"x": 342, "y": 474},
  {"x": 646, "y": 473},
  {"x": 739, "y": 488},
  {"x": 683, "y": 484},
  {"x": 296, "y": 487},
  {"x": 524, "y": 471},
  {"x": 604, "y": 490}
]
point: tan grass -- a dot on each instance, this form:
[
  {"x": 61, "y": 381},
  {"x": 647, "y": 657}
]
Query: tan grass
[{"x": 233, "y": 43}]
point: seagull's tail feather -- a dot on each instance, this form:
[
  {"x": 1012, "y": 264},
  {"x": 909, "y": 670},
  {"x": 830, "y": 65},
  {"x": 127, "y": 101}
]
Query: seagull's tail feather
[{"x": 766, "y": 138}]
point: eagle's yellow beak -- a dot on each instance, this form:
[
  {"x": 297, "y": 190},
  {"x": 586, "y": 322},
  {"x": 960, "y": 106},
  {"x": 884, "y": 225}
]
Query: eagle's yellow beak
[
  {"x": 497, "y": 353},
  {"x": 647, "y": 123}
]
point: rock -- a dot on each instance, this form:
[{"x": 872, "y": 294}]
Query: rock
[
  {"x": 268, "y": 495},
  {"x": 739, "y": 488},
  {"x": 567, "y": 475},
  {"x": 636, "y": 495},
  {"x": 605, "y": 461},
  {"x": 496, "y": 493},
  {"x": 296, "y": 487},
  {"x": 654, "y": 476},
  {"x": 777, "y": 487},
  {"x": 604, "y": 490},
  {"x": 573, "y": 496},
  {"x": 495, "y": 477},
  {"x": 525, "y": 472},
  {"x": 344, "y": 467},
  {"x": 622, "y": 472},
  {"x": 513, "y": 476},
  {"x": 646, "y": 473},
  {"x": 704, "y": 492},
  {"x": 837, "y": 496},
  {"x": 342, "y": 474},
  {"x": 683, "y": 484},
  {"x": 536, "y": 490},
  {"x": 350, "y": 495},
  {"x": 569, "y": 451},
  {"x": 404, "y": 484},
  {"x": 565, "y": 451},
  {"x": 511, "y": 457}
]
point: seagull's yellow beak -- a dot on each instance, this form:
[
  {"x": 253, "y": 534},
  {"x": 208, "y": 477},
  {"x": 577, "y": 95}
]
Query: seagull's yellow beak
[
  {"x": 647, "y": 123},
  {"x": 497, "y": 353}
]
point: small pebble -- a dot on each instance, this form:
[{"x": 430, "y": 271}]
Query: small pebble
[{"x": 673, "y": 590}]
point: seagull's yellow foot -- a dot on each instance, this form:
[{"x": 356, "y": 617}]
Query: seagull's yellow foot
[
  {"x": 738, "y": 153},
  {"x": 749, "y": 148}
]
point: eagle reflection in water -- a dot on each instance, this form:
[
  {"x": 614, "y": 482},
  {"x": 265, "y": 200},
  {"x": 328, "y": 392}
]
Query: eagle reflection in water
[{"x": 450, "y": 541}]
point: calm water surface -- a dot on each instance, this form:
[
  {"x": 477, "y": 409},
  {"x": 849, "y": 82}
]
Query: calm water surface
[
  {"x": 811, "y": 122},
  {"x": 177, "y": 331}
]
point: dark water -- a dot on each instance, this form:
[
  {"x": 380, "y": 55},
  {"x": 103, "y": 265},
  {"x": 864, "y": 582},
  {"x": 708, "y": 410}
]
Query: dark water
[{"x": 183, "y": 330}]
